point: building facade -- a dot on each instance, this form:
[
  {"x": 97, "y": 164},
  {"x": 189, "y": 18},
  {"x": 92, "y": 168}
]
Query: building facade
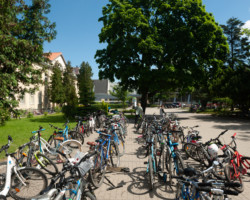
[{"x": 39, "y": 101}]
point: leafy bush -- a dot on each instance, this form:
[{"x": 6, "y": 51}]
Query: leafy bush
[
  {"x": 131, "y": 111},
  {"x": 30, "y": 115},
  {"x": 4, "y": 115},
  {"x": 45, "y": 113},
  {"x": 58, "y": 109}
]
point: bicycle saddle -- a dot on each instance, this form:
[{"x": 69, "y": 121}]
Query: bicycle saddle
[{"x": 189, "y": 171}]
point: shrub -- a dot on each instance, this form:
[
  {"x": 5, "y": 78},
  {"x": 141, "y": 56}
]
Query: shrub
[
  {"x": 30, "y": 115},
  {"x": 58, "y": 109},
  {"x": 4, "y": 115},
  {"x": 45, "y": 113}
]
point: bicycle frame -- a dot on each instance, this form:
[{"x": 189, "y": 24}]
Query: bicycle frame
[{"x": 11, "y": 165}]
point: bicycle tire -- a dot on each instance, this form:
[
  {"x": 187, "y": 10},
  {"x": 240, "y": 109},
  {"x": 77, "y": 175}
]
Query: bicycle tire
[
  {"x": 70, "y": 148},
  {"x": 191, "y": 151},
  {"x": 247, "y": 159},
  {"x": 229, "y": 173},
  {"x": 32, "y": 175},
  {"x": 88, "y": 195},
  {"x": 180, "y": 163},
  {"x": 47, "y": 164},
  {"x": 203, "y": 156},
  {"x": 151, "y": 173},
  {"x": 167, "y": 158},
  {"x": 121, "y": 146},
  {"x": 77, "y": 136},
  {"x": 97, "y": 173},
  {"x": 114, "y": 154}
]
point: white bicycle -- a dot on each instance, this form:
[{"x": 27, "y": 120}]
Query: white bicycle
[{"x": 20, "y": 182}]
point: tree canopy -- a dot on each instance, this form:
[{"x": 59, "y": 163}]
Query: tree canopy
[
  {"x": 159, "y": 45},
  {"x": 233, "y": 81},
  {"x": 121, "y": 94},
  {"x": 69, "y": 81},
  {"x": 56, "y": 89},
  {"x": 85, "y": 84},
  {"x": 23, "y": 30}
]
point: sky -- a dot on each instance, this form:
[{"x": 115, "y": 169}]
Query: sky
[{"x": 78, "y": 28}]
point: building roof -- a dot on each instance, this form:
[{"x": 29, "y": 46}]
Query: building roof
[
  {"x": 101, "y": 86},
  {"x": 53, "y": 56}
]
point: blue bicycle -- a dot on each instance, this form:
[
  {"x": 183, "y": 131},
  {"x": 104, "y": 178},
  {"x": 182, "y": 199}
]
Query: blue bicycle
[
  {"x": 174, "y": 161},
  {"x": 107, "y": 151}
]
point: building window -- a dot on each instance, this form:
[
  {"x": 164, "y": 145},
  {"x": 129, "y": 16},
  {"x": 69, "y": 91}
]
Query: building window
[
  {"x": 32, "y": 99},
  {"x": 22, "y": 101},
  {"x": 40, "y": 95}
]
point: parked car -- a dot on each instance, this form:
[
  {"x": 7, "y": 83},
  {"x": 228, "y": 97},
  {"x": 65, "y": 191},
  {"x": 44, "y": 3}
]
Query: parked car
[{"x": 176, "y": 105}]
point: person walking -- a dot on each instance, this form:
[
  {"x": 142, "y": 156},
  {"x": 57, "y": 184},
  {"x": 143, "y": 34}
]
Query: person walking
[
  {"x": 162, "y": 112},
  {"x": 138, "y": 113}
]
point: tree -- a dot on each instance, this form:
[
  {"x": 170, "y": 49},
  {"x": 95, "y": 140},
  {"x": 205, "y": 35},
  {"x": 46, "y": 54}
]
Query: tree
[
  {"x": 120, "y": 94},
  {"x": 159, "y": 45},
  {"x": 85, "y": 84},
  {"x": 56, "y": 90},
  {"x": 23, "y": 30},
  {"x": 233, "y": 81},
  {"x": 69, "y": 86}
]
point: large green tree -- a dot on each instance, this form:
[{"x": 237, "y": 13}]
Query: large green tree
[
  {"x": 234, "y": 79},
  {"x": 23, "y": 30},
  {"x": 159, "y": 45},
  {"x": 85, "y": 84},
  {"x": 56, "y": 90},
  {"x": 69, "y": 81}
]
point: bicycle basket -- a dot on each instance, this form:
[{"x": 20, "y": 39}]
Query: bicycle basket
[{"x": 85, "y": 166}]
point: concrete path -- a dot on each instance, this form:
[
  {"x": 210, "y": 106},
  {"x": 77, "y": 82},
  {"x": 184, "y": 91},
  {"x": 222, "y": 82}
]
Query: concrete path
[{"x": 135, "y": 183}]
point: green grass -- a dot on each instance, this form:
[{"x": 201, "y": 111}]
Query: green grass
[{"x": 20, "y": 129}]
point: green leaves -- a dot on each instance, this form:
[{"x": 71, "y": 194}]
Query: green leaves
[
  {"x": 85, "y": 84},
  {"x": 23, "y": 30},
  {"x": 159, "y": 45}
]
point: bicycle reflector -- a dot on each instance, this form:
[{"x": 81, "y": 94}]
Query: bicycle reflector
[
  {"x": 25, "y": 154},
  {"x": 17, "y": 189}
]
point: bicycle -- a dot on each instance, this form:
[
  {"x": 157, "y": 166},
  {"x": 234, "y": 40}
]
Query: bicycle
[
  {"x": 188, "y": 186},
  {"x": 107, "y": 150},
  {"x": 238, "y": 164},
  {"x": 74, "y": 187},
  {"x": 174, "y": 161},
  {"x": 21, "y": 182}
]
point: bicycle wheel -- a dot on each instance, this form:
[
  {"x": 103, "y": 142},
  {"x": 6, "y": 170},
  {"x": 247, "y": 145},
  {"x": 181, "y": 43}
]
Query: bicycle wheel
[
  {"x": 151, "y": 173},
  {"x": 47, "y": 164},
  {"x": 114, "y": 154},
  {"x": 245, "y": 163},
  {"x": 203, "y": 156},
  {"x": 190, "y": 150},
  {"x": 231, "y": 175},
  {"x": 70, "y": 148},
  {"x": 168, "y": 158},
  {"x": 121, "y": 146},
  {"x": 97, "y": 173},
  {"x": 77, "y": 136},
  {"x": 34, "y": 179},
  {"x": 179, "y": 164}
]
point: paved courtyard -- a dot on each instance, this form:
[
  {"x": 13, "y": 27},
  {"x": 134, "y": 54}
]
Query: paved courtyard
[{"x": 135, "y": 183}]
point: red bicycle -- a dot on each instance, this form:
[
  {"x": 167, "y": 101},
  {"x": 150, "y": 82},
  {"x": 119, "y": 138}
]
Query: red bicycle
[{"x": 238, "y": 164}]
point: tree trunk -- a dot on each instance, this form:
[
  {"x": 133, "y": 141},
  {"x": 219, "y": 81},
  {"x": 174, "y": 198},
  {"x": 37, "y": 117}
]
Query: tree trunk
[{"x": 144, "y": 99}]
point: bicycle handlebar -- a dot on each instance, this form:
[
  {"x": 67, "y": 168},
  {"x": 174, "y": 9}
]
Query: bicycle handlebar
[{"x": 38, "y": 131}]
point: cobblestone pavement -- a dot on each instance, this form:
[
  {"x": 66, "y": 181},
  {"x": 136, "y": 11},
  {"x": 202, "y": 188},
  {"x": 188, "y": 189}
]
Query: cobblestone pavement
[{"x": 134, "y": 184}]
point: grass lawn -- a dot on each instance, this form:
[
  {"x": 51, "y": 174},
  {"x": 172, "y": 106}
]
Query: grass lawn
[{"x": 20, "y": 129}]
